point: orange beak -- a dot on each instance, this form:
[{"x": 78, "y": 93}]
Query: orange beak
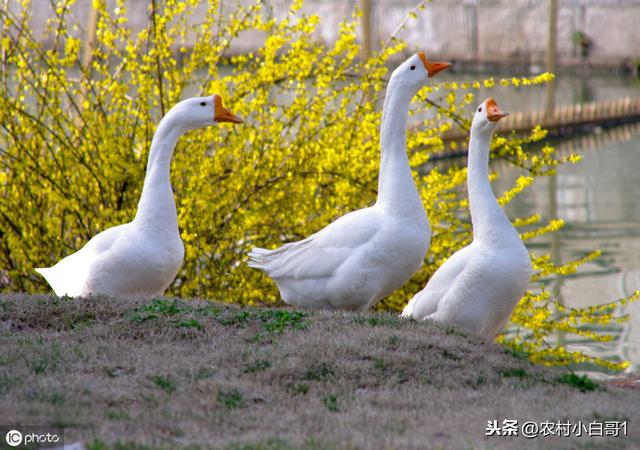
[
  {"x": 222, "y": 114},
  {"x": 433, "y": 68},
  {"x": 494, "y": 113}
]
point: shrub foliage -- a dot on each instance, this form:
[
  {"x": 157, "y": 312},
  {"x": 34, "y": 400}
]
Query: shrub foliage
[{"x": 77, "y": 126}]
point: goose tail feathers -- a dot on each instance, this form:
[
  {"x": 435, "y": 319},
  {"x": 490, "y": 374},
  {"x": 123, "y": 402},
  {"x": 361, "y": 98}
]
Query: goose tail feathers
[
  {"x": 60, "y": 285},
  {"x": 258, "y": 258}
]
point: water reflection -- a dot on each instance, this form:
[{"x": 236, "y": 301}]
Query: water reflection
[{"x": 599, "y": 199}]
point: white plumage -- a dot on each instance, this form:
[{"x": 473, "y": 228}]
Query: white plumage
[
  {"x": 142, "y": 256},
  {"x": 478, "y": 287},
  {"x": 365, "y": 255}
]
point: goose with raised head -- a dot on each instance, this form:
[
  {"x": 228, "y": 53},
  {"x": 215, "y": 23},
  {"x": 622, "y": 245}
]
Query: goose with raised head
[
  {"x": 478, "y": 287},
  {"x": 367, "y": 254},
  {"x": 142, "y": 256}
]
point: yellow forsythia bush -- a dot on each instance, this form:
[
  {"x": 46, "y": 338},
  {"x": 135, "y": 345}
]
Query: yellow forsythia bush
[{"x": 75, "y": 138}]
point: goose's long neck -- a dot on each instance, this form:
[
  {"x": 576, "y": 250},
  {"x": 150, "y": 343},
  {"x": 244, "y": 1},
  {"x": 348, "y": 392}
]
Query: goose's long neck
[
  {"x": 489, "y": 220},
  {"x": 396, "y": 189},
  {"x": 156, "y": 206}
]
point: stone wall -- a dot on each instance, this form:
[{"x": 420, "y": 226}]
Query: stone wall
[{"x": 471, "y": 30}]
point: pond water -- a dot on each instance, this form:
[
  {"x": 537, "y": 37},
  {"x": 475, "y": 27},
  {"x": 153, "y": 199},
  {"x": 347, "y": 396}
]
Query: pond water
[{"x": 599, "y": 200}]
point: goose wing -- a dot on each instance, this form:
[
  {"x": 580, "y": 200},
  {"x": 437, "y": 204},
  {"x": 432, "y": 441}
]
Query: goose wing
[
  {"x": 322, "y": 253},
  {"x": 426, "y": 301}
]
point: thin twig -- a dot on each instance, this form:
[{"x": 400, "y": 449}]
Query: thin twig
[{"x": 158, "y": 65}]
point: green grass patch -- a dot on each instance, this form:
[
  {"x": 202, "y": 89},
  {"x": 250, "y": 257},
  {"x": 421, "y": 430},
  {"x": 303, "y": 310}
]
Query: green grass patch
[
  {"x": 273, "y": 321},
  {"x": 55, "y": 398},
  {"x": 331, "y": 402},
  {"x": 208, "y": 311},
  {"x": 514, "y": 372},
  {"x": 158, "y": 307},
  {"x": 393, "y": 342},
  {"x": 299, "y": 388},
  {"x": 189, "y": 323},
  {"x": 116, "y": 414},
  {"x": 380, "y": 364},
  {"x": 231, "y": 399},
  {"x": 269, "y": 444},
  {"x": 42, "y": 357},
  {"x": 450, "y": 355},
  {"x": 7, "y": 382},
  {"x": 270, "y": 321},
  {"x": 517, "y": 352},
  {"x": 277, "y": 321},
  {"x": 259, "y": 365},
  {"x": 320, "y": 372},
  {"x": 202, "y": 373},
  {"x": 376, "y": 321},
  {"x": 448, "y": 329},
  {"x": 77, "y": 321},
  {"x": 115, "y": 372},
  {"x": 164, "y": 382},
  {"x": 235, "y": 318},
  {"x": 581, "y": 382}
]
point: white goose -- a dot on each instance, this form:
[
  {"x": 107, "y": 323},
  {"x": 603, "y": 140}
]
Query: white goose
[
  {"x": 367, "y": 254},
  {"x": 479, "y": 286},
  {"x": 142, "y": 256}
]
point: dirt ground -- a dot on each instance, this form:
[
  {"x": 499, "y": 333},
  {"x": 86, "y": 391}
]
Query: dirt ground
[{"x": 137, "y": 373}]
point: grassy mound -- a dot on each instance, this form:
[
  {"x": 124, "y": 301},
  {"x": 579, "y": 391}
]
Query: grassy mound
[{"x": 135, "y": 373}]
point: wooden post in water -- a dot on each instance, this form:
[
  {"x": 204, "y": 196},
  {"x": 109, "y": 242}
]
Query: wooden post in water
[
  {"x": 548, "y": 117},
  {"x": 365, "y": 6},
  {"x": 471, "y": 24},
  {"x": 552, "y": 45}
]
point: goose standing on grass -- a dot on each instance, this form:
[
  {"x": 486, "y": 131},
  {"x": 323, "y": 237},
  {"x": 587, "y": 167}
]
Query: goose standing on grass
[
  {"x": 479, "y": 286},
  {"x": 365, "y": 255},
  {"x": 142, "y": 256}
]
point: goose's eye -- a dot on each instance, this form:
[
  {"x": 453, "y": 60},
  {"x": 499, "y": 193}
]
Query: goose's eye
[
  {"x": 413, "y": 67},
  {"x": 480, "y": 109},
  {"x": 203, "y": 104}
]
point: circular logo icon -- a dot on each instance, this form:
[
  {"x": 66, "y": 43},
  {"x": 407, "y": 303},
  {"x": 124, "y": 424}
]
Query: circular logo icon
[{"x": 14, "y": 438}]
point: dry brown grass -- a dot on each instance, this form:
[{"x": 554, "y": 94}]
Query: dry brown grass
[{"x": 199, "y": 375}]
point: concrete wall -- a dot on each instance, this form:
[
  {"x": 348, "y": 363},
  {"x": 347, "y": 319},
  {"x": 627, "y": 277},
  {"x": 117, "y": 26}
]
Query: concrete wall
[{"x": 480, "y": 30}]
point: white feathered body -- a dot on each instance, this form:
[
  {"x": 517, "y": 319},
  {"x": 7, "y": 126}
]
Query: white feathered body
[
  {"x": 120, "y": 260},
  {"x": 352, "y": 263},
  {"x": 479, "y": 286}
]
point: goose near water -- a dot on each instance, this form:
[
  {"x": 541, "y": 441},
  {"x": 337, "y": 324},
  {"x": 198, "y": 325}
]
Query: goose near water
[
  {"x": 367, "y": 254},
  {"x": 478, "y": 287},
  {"x": 142, "y": 256}
]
